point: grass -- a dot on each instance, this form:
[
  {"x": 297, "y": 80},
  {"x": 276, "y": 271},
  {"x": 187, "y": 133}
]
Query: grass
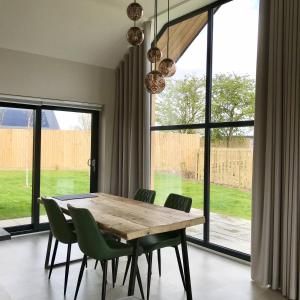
[
  {"x": 223, "y": 199},
  {"x": 15, "y": 197}
]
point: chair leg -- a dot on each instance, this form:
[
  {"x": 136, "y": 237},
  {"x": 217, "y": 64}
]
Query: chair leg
[
  {"x": 116, "y": 269},
  {"x": 67, "y": 268},
  {"x": 159, "y": 262},
  {"x": 104, "y": 280},
  {"x": 138, "y": 275},
  {"x": 53, "y": 258},
  {"x": 149, "y": 274},
  {"x": 86, "y": 265},
  {"x": 48, "y": 250},
  {"x": 80, "y": 276},
  {"x": 113, "y": 268},
  {"x": 127, "y": 268},
  {"x": 180, "y": 266},
  {"x": 96, "y": 264}
]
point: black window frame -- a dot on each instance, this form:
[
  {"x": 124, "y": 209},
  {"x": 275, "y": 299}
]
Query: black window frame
[
  {"x": 207, "y": 125},
  {"x": 36, "y": 225}
]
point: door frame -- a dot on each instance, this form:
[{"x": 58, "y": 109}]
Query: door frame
[{"x": 35, "y": 225}]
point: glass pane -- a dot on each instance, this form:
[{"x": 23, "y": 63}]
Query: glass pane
[
  {"x": 234, "y": 61},
  {"x": 16, "y": 149},
  {"x": 230, "y": 189},
  {"x": 177, "y": 164},
  {"x": 65, "y": 153},
  {"x": 183, "y": 100}
]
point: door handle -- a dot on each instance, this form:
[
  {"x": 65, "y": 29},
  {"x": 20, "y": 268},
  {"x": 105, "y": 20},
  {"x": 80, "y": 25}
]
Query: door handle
[{"x": 93, "y": 164}]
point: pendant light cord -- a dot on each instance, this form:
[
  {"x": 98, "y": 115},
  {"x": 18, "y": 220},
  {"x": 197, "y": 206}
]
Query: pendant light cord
[
  {"x": 155, "y": 24},
  {"x": 155, "y": 28},
  {"x": 134, "y": 23},
  {"x": 168, "y": 40}
]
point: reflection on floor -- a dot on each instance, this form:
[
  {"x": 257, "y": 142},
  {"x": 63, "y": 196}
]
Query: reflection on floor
[
  {"x": 22, "y": 276},
  {"x": 230, "y": 232},
  {"x": 20, "y": 221}
]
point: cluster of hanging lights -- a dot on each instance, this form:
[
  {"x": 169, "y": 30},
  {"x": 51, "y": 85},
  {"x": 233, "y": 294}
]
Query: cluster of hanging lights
[
  {"x": 154, "y": 80},
  {"x": 135, "y": 35}
]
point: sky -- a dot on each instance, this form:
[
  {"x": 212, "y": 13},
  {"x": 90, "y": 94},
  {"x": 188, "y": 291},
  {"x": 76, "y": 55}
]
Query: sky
[
  {"x": 68, "y": 120},
  {"x": 235, "y": 42}
]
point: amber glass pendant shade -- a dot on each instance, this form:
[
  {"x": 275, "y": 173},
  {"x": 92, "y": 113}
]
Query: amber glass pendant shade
[
  {"x": 135, "y": 36},
  {"x": 154, "y": 82},
  {"x": 154, "y": 54},
  {"x": 134, "y": 11},
  {"x": 167, "y": 67}
]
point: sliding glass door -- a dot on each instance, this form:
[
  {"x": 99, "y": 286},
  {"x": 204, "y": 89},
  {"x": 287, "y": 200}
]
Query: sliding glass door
[
  {"x": 66, "y": 159},
  {"x": 16, "y": 152},
  {"x": 44, "y": 151}
]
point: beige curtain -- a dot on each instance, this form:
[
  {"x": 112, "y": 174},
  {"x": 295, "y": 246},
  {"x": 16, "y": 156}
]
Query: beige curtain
[
  {"x": 276, "y": 174},
  {"x": 131, "y": 145}
]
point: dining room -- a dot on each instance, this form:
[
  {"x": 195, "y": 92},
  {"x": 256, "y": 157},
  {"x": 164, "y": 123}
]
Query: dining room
[{"x": 149, "y": 149}]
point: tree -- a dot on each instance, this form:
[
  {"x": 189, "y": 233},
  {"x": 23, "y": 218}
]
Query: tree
[
  {"x": 233, "y": 99},
  {"x": 85, "y": 122},
  {"x": 183, "y": 102}
]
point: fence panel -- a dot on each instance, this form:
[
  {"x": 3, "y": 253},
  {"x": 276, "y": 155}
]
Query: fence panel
[
  {"x": 61, "y": 149},
  {"x": 183, "y": 154}
]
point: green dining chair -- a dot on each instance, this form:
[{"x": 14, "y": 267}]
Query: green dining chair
[
  {"x": 154, "y": 242},
  {"x": 168, "y": 239},
  {"x": 63, "y": 232},
  {"x": 93, "y": 244},
  {"x": 143, "y": 195}
]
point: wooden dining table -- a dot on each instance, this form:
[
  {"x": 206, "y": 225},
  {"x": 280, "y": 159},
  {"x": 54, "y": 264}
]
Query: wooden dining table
[{"x": 131, "y": 220}]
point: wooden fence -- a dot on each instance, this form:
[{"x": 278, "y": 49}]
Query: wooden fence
[
  {"x": 61, "y": 149},
  {"x": 183, "y": 154},
  {"x": 176, "y": 153}
]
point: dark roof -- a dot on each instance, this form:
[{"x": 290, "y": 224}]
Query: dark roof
[{"x": 21, "y": 118}]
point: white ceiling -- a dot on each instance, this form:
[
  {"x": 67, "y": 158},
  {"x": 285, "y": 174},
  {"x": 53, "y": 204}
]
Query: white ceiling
[{"x": 87, "y": 31}]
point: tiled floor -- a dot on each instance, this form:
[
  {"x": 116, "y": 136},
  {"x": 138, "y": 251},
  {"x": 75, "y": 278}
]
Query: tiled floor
[{"x": 22, "y": 276}]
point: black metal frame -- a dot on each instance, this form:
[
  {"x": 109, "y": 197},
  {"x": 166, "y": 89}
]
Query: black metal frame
[
  {"x": 35, "y": 225},
  {"x": 207, "y": 125}
]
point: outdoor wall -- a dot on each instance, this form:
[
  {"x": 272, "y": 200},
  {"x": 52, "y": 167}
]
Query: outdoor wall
[{"x": 34, "y": 75}]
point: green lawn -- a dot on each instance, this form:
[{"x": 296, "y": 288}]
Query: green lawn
[
  {"x": 224, "y": 200},
  {"x": 15, "y": 197}
]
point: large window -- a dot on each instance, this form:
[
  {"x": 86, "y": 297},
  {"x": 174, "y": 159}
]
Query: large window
[{"x": 202, "y": 125}]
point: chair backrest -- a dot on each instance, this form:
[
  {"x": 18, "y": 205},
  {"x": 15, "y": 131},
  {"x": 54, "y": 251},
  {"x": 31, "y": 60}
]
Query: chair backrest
[
  {"x": 179, "y": 202},
  {"x": 145, "y": 195},
  {"x": 60, "y": 228},
  {"x": 90, "y": 239}
]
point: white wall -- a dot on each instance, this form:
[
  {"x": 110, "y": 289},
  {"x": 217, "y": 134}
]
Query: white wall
[{"x": 33, "y": 75}]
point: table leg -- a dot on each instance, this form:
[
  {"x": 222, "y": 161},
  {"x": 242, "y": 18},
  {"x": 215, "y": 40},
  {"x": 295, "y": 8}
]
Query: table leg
[
  {"x": 48, "y": 250},
  {"x": 185, "y": 258},
  {"x": 133, "y": 269}
]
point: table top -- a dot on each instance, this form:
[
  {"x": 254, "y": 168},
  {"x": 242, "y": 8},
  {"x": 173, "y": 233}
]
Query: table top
[{"x": 131, "y": 219}]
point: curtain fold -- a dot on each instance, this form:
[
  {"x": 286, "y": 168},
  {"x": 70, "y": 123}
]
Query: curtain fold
[
  {"x": 276, "y": 182},
  {"x": 130, "y": 159}
]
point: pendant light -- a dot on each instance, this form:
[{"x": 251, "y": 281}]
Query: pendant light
[
  {"x": 154, "y": 54},
  {"x": 135, "y": 35},
  {"x": 167, "y": 66},
  {"x": 154, "y": 80}
]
